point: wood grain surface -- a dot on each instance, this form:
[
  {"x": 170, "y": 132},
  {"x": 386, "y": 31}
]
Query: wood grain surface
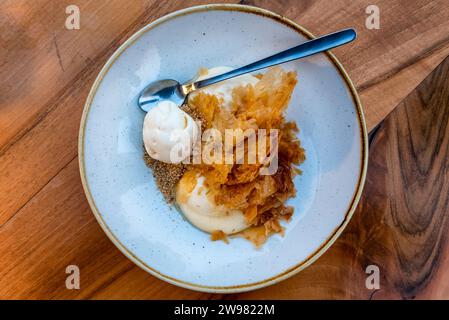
[
  {"x": 46, "y": 72},
  {"x": 401, "y": 224}
]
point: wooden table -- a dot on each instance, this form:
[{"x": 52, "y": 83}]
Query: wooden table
[{"x": 45, "y": 222}]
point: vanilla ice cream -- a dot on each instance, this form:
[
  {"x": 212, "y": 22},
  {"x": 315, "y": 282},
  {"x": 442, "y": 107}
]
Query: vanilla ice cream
[
  {"x": 169, "y": 133},
  {"x": 203, "y": 213}
]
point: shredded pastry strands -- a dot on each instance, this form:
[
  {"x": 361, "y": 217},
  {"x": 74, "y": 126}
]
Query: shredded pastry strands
[{"x": 240, "y": 186}]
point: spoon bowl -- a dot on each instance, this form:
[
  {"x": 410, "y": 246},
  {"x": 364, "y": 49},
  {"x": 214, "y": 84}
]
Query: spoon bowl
[{"x": 157, "y": 91}]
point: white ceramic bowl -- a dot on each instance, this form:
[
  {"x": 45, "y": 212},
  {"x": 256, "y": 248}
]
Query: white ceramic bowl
[{"x": 121, "y": 189}]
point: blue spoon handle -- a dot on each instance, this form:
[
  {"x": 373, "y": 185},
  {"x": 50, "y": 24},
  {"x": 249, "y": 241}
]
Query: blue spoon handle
[{"x": 303, "y": 50}]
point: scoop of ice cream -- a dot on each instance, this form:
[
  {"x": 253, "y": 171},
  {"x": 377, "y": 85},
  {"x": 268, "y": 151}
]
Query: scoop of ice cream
[
  {"x": 224, "y": 89},
  {"x": 169, "y": 133},
  {"x": 202, "y": 211}
]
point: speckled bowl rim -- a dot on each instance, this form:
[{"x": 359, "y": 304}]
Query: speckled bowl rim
[{"x": 247, "y": 286}]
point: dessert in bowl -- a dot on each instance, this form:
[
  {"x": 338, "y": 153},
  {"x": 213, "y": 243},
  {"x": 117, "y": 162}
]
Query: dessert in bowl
[
  {"x": 129, "y": 204},
  {"x": 236, "y": 178}
]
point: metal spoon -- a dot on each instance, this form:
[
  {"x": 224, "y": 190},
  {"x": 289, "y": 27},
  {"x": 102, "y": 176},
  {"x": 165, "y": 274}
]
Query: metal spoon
[{"x": 172, "y": 90}]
